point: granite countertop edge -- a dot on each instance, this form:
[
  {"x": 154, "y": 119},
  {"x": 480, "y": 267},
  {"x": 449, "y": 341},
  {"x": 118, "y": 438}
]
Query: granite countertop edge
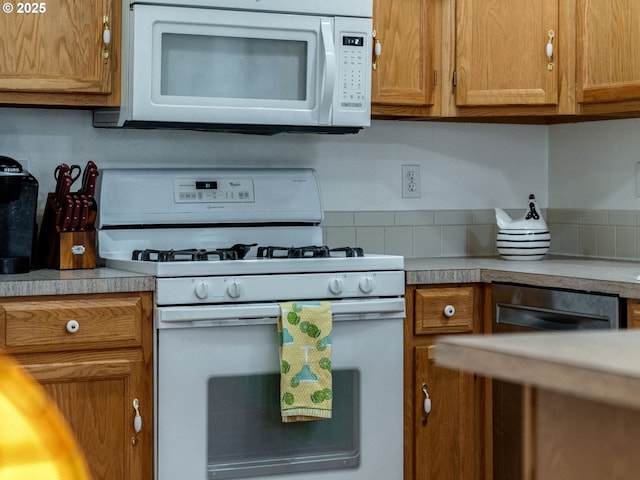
[
  {"x": 72, "y": 282},
  {"x": 605, "y": 276},
  {"x": 614, "y": 277}
]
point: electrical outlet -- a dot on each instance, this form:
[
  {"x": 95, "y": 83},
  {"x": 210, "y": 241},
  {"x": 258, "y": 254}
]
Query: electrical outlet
[{"x": 410, "y": 181}]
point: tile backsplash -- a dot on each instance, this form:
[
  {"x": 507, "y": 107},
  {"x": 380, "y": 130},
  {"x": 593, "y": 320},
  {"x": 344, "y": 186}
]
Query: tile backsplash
[
  {"x": 454, "y": 233},
  {"x": 418, "y": 233},
  {"x": 595, "y": 233}
]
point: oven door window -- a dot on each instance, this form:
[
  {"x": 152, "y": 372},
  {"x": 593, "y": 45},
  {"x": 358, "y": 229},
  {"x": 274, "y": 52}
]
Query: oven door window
[{"x": 246, "y": 436}]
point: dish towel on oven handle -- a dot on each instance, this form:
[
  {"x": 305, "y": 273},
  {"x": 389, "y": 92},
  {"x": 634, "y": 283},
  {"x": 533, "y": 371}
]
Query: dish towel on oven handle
[{"x": 304, "y": 330}]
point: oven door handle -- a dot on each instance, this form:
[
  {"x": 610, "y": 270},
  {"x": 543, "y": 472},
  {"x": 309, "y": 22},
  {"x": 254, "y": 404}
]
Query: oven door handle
[{"x": 267, "y": 313}]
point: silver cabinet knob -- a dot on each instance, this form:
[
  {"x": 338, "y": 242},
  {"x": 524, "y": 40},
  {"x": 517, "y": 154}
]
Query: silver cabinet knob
[{"x": 449, "y": 311}]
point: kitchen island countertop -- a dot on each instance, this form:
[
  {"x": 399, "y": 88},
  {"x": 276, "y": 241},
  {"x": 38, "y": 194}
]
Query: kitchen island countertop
[
  {"x": 596, "y": 365},
  {"x": 68, "y": 282},
  {"x": 576, "y": 273}
]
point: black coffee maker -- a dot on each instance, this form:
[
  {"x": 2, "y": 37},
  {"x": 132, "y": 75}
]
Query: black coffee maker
[{"x": 18, "y": 206}]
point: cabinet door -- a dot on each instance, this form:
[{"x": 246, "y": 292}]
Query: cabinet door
[
  {"x": 53, "y": 48},
  {"x": 633, "y": 313},
  {"x": 93, "y": 355},
  {"x": 404, "y": 74},
  {"x": 96, "y": 399},
  {"x": 501, "y": 54},
  {"x": 447, "y": 439},
  {"x": 608, "y": 36}
]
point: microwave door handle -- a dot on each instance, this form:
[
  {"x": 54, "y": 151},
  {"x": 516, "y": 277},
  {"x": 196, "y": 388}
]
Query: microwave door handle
[{"x": 329, "y": 80}]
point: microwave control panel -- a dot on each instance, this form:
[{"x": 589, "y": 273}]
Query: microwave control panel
[
  {"x": 213, "y": 190},
  {"x": 352, "y": 71}
]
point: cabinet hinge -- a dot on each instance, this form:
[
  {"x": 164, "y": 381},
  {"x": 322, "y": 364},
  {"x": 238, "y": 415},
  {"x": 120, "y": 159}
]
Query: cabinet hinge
[
  {"x": 435, "y": 78},
  {"x": 455, "y": 78}
]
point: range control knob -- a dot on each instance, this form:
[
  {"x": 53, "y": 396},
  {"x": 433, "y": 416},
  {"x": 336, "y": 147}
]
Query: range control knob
[
  {"x": 366, "y": 284},
  {"x": 234, "y": 289},
  {"x": 335, "y": 285},
  {"x": 201, "y": 290}
]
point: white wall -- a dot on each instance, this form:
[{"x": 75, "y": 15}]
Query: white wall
[
  {"x": 593, "y": 165},
  {"x": 463, "y": 166}
]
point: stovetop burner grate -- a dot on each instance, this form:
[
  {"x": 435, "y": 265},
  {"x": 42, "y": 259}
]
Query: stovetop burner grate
[
  {"x": 239, "y": 251},
  {"x": 187, "y": 255},
  {"x": 311, "y": 251}
]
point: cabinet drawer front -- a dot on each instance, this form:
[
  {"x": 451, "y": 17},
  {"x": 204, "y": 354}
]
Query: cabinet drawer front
[
  {"x": 432, "y": 303},
  {"x": 72, "y": 324}
]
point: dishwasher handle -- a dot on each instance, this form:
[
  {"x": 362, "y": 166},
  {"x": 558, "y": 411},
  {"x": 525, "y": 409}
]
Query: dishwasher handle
[{"x": 538, "y": 318}]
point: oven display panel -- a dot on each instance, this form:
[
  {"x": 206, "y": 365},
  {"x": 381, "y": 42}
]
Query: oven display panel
[{"x": 220, "y": 190}]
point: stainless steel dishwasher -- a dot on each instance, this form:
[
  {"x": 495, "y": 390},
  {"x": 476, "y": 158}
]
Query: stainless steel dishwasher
[{"x": 518, "y": 308}]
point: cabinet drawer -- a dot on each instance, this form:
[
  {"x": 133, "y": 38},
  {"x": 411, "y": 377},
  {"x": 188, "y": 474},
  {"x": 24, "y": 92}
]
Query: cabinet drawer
[
  {"x": 433, "y": 312},
  {"x": 71, "y": 323}
]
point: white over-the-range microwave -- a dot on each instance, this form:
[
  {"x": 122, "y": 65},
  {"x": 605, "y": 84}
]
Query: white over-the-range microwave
[{"x": 251, "y": 65}]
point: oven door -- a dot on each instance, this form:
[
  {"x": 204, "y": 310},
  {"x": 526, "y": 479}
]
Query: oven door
[
  {"x": 206, "y": 66},
  {"x": 218, "y": 399}
]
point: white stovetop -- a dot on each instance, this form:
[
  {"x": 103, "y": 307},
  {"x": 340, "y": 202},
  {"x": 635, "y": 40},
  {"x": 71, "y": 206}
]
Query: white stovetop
[{"x": 261, "y": 266}]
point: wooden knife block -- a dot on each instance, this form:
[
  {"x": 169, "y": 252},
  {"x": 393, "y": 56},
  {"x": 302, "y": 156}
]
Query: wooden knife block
[
  {"x": 75, "y": 250},
  {"x": 64, "y": 250}
]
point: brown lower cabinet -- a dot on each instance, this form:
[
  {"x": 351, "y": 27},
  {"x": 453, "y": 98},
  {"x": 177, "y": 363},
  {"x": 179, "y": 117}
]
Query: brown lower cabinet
[
  {"x": 454, "y": 441},
  {"x": 93, "y": 355},
  {"x": 449, "y": 442}
]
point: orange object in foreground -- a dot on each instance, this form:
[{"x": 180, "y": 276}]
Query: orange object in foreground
[{"x": 35, "y": 441}]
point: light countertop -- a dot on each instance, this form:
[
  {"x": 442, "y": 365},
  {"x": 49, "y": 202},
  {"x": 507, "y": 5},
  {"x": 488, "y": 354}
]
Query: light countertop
[
  {"x": 597, "y": 365},
  {"x": 605, "y": 276},
  {"x": 63, "y": 282}
]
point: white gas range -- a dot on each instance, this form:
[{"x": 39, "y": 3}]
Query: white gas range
[{"x": 228, "y": 246}]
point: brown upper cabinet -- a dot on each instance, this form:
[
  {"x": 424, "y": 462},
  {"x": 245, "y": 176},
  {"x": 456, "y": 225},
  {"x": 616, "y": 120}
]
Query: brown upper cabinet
[
  {"x": 608, "y": 66},
  {"x": 489, "y": 58},
  {"x": 512, "y": 58},
  {"x": 53, "y": 53},
  {"x": 405, "y": 76}
]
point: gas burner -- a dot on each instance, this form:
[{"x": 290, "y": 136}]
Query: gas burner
[
  {"x": 236, "y": 252},
  {"x": 348, "y": 252},
  {"x": 189, "y": 255},
  {"x": 293, "y": 252},
  {"x": 312, "y": 251}
]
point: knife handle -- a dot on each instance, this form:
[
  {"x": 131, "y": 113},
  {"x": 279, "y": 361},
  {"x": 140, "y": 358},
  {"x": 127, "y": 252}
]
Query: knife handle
[
  {"x": 67, "y": 211},
  {"x": 84, "y": 213},
  {"x": 75, "y": 217}
]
